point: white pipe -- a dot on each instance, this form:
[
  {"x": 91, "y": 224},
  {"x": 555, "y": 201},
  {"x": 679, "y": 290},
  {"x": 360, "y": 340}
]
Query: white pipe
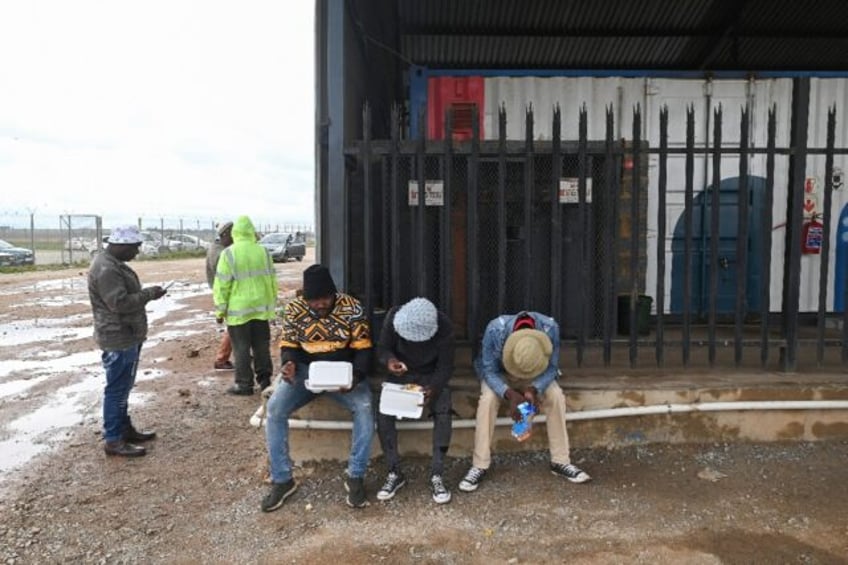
[{"x": 257, "y": 419}]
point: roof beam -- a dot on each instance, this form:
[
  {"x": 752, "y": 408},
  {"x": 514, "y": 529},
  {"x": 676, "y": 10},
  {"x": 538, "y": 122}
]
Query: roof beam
[{"x": 541, "y": 33}]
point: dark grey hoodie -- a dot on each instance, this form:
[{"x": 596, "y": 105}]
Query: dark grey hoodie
[{"x": 117, "y": 302}]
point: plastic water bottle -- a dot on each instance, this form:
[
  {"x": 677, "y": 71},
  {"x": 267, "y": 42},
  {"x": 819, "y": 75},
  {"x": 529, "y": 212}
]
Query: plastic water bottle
[{"x": 522, "y": 429}]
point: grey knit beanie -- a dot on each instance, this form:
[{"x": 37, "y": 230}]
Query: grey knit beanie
[{"x": 417, "y": 320}]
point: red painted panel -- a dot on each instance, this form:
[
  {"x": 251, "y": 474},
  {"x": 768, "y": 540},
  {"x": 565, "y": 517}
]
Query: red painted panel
[{"x": 459, "y": 93}]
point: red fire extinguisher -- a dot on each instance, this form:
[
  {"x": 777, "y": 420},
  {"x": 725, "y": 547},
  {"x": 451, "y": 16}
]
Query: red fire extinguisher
[{"x": 812, "y": 234}]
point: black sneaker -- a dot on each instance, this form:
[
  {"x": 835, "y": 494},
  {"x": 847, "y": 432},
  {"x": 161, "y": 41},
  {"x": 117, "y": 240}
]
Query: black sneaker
[
  {"x": 570, "y": 472},
  {"x": 472, "y": 479},
  {"x": 355, "y": 487},
  {"x": 277, "y": 495},
  {"x": 394, "y": 480}
]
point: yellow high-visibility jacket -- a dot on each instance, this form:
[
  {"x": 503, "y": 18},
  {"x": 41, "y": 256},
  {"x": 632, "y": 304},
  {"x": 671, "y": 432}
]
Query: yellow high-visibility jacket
[{"x": 245, "y": 286}]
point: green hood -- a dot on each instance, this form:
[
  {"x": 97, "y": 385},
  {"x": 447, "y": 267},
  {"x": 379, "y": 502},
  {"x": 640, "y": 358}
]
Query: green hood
[{"x": 243, "y": 230}]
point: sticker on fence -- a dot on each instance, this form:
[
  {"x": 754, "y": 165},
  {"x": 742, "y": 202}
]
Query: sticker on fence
[
  {"x": 569, "y": 192},
  {"x": 434, "y": 193}
]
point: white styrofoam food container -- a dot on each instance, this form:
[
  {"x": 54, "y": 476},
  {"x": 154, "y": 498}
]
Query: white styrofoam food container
[
  {"x": 401, "y": 401},
  {"x": 329, "y": 375}
]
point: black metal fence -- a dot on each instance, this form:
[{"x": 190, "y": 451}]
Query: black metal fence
[{"x": 560, "y": 227}]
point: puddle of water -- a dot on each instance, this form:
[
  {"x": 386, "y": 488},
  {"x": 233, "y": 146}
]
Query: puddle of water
[
  {"x": 20, "y": 332},
  {"x": 197, "y": 320},
  {"x": 17, "y": 451},
  {"x": 41, "y": 429},
  {"x": 66, "y": 364},
  {"x": 76, "y": 284},
  {"x": 16, "y": 387},
  {"x": 45, "y": 427},
  {"x": 53, "y": 301},
  {"x": 23, "y": 335},
  {"x": 44, "y": 354},
  {"x": 173, "y": 334}
]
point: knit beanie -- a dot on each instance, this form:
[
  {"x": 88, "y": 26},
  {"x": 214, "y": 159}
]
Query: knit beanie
[
  {"x": 417, "y": 320},
  {"x": 527, "y": 353},
  {"x": 318, "y": 283}
]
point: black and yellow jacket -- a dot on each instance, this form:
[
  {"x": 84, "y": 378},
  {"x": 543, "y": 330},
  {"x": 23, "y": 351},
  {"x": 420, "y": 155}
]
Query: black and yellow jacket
[{"x": 344, "y": 335}]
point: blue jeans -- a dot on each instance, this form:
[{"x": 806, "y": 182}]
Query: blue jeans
[
  {"x": 289, "y": 397},
  {"x": 120, "y": 368}
]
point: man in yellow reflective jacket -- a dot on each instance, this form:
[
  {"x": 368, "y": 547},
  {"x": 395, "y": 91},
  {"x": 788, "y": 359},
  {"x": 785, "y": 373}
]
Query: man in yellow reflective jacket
[{"x": 245, "y": 294}]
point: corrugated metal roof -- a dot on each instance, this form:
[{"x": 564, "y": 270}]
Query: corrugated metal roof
[{"x": 626, "y": 34}]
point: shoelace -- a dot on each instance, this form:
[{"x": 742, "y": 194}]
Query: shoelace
[
  {"x": 438, "y": 484},
  {"x": 569, "y": 470},
  {"x": 474, "y": 475},
  {"x": 391, "y": 481}
]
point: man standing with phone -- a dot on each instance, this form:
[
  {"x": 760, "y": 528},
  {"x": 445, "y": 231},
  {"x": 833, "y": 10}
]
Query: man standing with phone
[{"x": 120, "y": 327}]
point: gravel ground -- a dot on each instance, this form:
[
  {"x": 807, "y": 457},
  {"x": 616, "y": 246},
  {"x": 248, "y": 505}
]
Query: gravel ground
[{"x": 195, "y": 496}]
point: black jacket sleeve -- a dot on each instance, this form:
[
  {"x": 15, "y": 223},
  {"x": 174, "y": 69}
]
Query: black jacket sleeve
[
  {"x": 445, "y": 362},
  {"x": 388, "y": 339}
]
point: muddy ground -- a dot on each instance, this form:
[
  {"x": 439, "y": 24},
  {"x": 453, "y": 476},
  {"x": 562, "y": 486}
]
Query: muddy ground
[{"x": 195, "y": 496}]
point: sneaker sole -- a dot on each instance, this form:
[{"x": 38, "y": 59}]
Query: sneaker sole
[
  {"x": 465, "y": 487},
  {"x": 282, "y": 500},
  {"x": 577, "y": 480},
  {"x": 383, "y": 496},
  {"x": 443, "y": 501}
]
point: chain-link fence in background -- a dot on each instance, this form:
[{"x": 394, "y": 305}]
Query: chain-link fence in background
[{"x": 74, "y": 238}]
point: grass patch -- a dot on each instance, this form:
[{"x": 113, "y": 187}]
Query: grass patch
[{"x": 51, "y": 267}]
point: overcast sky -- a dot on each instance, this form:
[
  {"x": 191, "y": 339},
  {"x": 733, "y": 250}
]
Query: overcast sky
[{"x": 201, "y": 109}]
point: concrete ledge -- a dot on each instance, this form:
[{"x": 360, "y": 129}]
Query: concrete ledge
[{"x": 597, "y": 392}]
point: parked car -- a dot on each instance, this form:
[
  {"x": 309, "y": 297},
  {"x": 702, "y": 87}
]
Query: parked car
[
  {"x": 6, "y": 259},
  {"x": 80, "y": 244},
  {"x": 283, "y": 246},
  {"x": 186, "y": 242},
  {"x": 153, "y": 244},
  {"x": 19, "y": 255}
]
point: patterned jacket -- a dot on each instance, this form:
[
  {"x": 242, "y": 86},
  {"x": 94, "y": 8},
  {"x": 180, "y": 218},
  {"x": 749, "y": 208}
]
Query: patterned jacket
[{"x": 344, "y": 335}]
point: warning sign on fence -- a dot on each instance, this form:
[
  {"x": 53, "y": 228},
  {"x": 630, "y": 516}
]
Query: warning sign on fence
[
  {"x": 434, "y": 193},
  {"x": 569, "y": 190}
]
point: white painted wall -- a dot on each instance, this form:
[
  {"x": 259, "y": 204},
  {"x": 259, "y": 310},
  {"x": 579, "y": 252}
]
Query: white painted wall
[{"x": 624, "y": 94}]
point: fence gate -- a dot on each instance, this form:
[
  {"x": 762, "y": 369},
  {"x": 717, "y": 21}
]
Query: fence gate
[{"x": 81, "y": 236}]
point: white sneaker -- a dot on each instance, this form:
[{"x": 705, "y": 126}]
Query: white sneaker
[{"x": 441, "y": 495}]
